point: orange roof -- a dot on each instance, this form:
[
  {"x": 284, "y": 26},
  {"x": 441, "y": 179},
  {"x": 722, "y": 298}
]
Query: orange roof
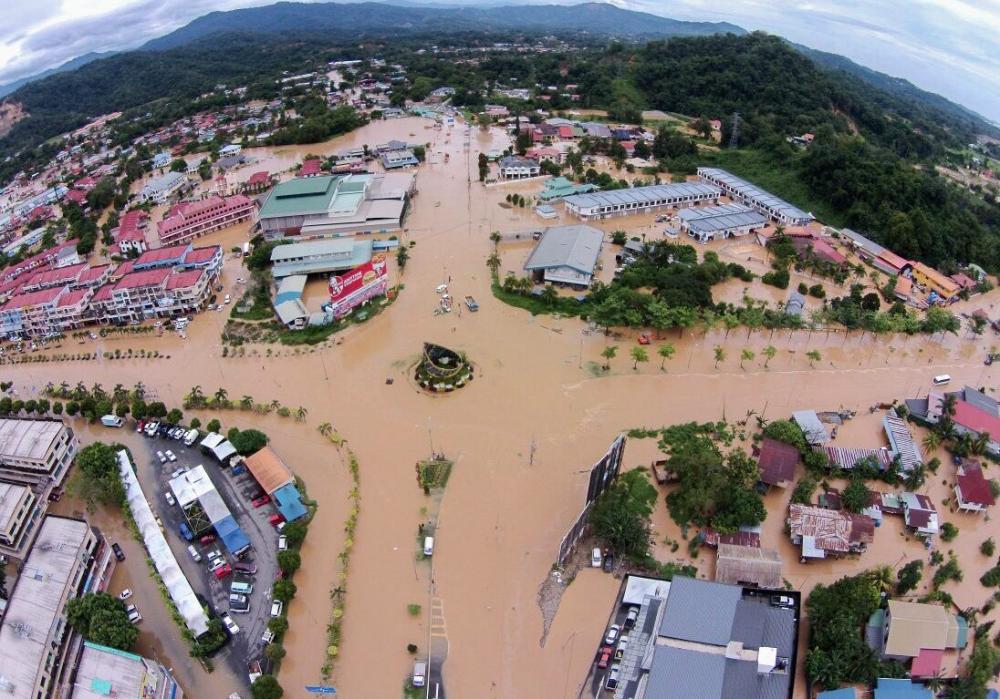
[
  {"x": 936, "y": 277},
  {"x": 269, "y": 470}
]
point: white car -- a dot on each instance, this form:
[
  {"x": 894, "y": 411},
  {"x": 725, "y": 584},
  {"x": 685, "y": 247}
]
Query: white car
[
  {"x": 161, "y": 456},
  {"x": 171, "y": 456},
  {"x": 282, "y": 543},
  {"x": 228, "y": 299},
  {"x": 612, "y": 634},
  {"x": 231, "y": 626},
  {"x": 169, "y": 498},
  {"x": 276, "y": 608},
  {"x": 124, "y": 594},
  {"x": 133, "y": 614},
  {"x": 178, "y": 472},
  {"x": 596, "y": 558},
  {"x": 216, "y": 564}
]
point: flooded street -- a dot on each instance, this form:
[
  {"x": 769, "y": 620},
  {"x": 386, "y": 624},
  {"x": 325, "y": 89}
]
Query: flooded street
[{"x": 523, "y": 435}]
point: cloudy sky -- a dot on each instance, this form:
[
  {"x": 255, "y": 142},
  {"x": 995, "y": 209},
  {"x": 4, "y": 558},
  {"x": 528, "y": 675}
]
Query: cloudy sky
[{"x": 951, "y": 47}]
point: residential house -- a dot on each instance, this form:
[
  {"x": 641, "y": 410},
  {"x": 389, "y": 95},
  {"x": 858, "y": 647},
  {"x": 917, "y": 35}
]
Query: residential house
[
  {"x": 938, "y": 284},
  {"x": 920, "y": 633},
  {"x": 748, "y": 565},
  {"x": 777, "y": 462},
  {"x": 130, "y": 238},
  {"x": 823, "y": 533},
  {"x": 159, "y": 189},
  {"x": 919, "y": 513},
  {"x": 394, "y": 159},
  {"x": 973, "y": 493},
  {"x": 514, "y": 167}
]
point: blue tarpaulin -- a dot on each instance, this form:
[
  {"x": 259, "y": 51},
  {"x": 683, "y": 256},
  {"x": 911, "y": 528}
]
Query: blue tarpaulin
[
  {"x": 289, "y": 502},
  {"x": 232, "y": 536}
]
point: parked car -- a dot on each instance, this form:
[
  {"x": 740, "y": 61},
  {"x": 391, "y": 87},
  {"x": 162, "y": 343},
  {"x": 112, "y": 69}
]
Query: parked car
[
  {"x": 428, "y": 546},
  {"x": 140, "y": 426},
  {"x": 55, "y": 494},
  {"x": 161, "y": 456},
  {"x": 185, "y": 531},
  {"x": 282, "y": 543},
  {"x": 168, "y": 496},
  {"x": 275, "y": 519},
  {"x": 277, "y": 606},
  {"x": 133, "y": 614},
  {"x": 215, "y": 563},
  {"x": 222, "y": 572},
  {"x": 595, "y": 557},
  {"x": 612, "y": 634},
  {"x": 119, "y": 554},
  {"x": 112, "y": 421},
  {"x": 178, "y": 472},
  {"x": 267, "y": 637},
  {"x": 228, "y": 299},
  {"x": 612, "y": 681},
  {"x": 419, "y": 678},
  {"x": 471, "y": 304},
  {"x": 171, "y": 456},
  {"x": 124, "y": 594},
  {"x": 245, "y": 568},
  {"x": 622, "y": 645},
  {"x": 604, "y": 657},
  {"x": 230, "y": 625},
  {"x": 609, "y": 562},
  {"x": 194, "y": 553},
  {"x": 239, "y": 469},
  {"x": 238, "y": 603},
  {"x": 261, "y": 501},
  {"x": 207, "y": 539},
  {"x": 782, "y": 601},
  {"x": 630, "y": 617}
]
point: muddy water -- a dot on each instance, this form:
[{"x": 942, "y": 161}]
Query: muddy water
[{"x": 504, "y": 511}]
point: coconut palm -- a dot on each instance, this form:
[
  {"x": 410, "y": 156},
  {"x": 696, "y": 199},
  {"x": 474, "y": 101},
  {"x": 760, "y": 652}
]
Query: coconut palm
[
  {"x": 666, "y": 351},
  {"x": 493, "y": 262},
  {"x": 246, "y": 402},
  {"x": 300, "y": 413},
  {"x": 720, "y": 355},
  {"x": 609, "y": 353},
  {"x": 325, "y": 429},
  {"x": 932, "y": 441},
  {"x": 495, "y": 237},
  {"x": 549, "y": 295},
  {"x": 746, "y": 355},
  {"x": 638, "y": 355},
  {"x": 139, "y": 390},
  {"x": 221, "y": 395},
  {"x": 769, "y": 353}
]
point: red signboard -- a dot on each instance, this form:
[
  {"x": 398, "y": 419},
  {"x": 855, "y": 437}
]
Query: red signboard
[{"x": 343, "y": 285}]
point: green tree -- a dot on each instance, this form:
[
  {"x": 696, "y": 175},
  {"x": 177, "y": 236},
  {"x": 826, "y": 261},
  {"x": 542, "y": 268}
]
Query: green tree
[
  {"x": 639, "y": 356},
  {"x": 97, "y": 479},
  {"x": 746, "y": 355},
  {"x": 266, "y": 687},
  {"x": 609, "y": 353},
  {"x": 621, "y": 515},
  {"x": 909, "y": 576},
  {"x": 295, "y": 533},
  {"x": 988, "y": 547},
  {"x": 174, "y": 416},
  {"x": 855, "y": 497},
  {"x": 289, "y": 561},
  {"x": 493, "y": 262},
  {"x": 214, "y": 425},
  {"x": 813, "y": 356},
  {"x": 495, "y": 238},
  {"x": 402, "y": 257},
  {"x": 195, "y": 423},
  {"x": 102, "y": 619},
  {"x": 666, "y": 351},
  {"x": 249, "y": 441},
  {"x": 769, "y": 352},
  {"x": 274, "y": 652},
  {"x": 283, "y": 590}
]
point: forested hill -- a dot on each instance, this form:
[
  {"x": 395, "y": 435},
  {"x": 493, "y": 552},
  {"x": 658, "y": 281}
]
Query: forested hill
[{"x": 598, "y": 19}]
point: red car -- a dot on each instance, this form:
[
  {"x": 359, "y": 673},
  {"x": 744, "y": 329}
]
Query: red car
[
  {"x": 275, "y": 520},
  {"x": 261, "y": 501},
  {"x": 605, "y": 657},
  {"x": 207, "y": 539},
  {"x": 222, "y": 572}
]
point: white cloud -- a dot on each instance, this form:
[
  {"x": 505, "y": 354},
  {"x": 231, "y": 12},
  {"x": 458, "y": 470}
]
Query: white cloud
[{"x": 945, "y": 46}]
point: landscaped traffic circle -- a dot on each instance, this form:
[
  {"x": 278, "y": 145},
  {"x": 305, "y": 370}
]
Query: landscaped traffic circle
[{"x": 441, "y": 370}]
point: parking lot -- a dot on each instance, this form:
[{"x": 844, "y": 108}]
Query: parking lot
[{"x": 260, "y": 561}]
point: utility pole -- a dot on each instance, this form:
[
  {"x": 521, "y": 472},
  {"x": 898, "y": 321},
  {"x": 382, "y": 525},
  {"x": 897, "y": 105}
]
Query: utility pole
[
  {"x": 531, "y": 456},
  {"x": 734, "y": 135}
]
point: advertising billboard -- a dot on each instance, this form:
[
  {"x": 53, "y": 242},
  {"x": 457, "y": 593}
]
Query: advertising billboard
[{"x": 364, "y": 282}]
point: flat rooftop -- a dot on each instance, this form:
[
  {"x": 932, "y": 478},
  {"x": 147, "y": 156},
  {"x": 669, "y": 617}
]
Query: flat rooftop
[
  {"x": 108, "y": 672},
  {"x": 27, "y": 439},
  {"x": 10, "y": 496},
  {"x": 36, "y": 602}
]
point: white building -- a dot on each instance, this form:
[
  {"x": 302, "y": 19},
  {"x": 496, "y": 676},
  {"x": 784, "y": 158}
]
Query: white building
[
  {"x": 159, "y": 189},
  {"x": 640, "y": 200},
  {"x": 514, "y": 167},
  {"x": 739, "y": 190}
]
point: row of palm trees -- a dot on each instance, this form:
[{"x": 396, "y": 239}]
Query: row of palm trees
[
  {"x": 196, "y": 398},
  {"x": 639, "y": 355}
]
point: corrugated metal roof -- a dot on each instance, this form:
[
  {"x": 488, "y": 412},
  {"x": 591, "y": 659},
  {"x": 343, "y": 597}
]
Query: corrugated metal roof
[
  {"x": 700, "y": 611},
  {"x": 641, "y": 196},
  {"x": 753, "y": 192},
  {"x": 679, "y": 673},
  {"x": 576, "y": 247},
  {"x": 719, "y": 218}
]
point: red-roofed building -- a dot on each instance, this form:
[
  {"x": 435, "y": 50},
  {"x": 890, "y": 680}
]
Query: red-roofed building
[
  {"x": 311, "y": 168},
  {"x": 60, "y": 256},
  {"x": 193, "y": 219},
  {"x": 258, "y": 182},
  {"x": 130, "y": 236},
  {"x": 974, "y": 421},
  {"x": 189, "y": 290},
  {"x": 541, "y": 153},
  {"x": 77, "y": 196},
  {"x": 927, "y": 663},
  {"x": 208, "y": 258},
  {"x": 93, "y": 276},
  {"x": 824, "y": 251},
  {"x": 972, "y": 491},
  {"x": 566, "y": 131},
  {"x": 777, "y": 462},
  {"x": 28, "y": 314},
  {"x": 85, "y": 184},
  {"x": 61, "y": 276},
  {"x": 964, "y": 281},
  {"x": 891, "y": 263},
  {"x": 121, "y": 270},
  {"x": 137, "y": 296},
  {"x": 70, "y": 312}
]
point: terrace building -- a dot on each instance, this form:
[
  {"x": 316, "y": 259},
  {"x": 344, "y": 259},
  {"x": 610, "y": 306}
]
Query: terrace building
[
  {"x": 30, "y": 314},
  {"x": 18, "y": 514},
  {"x": 131, "y": 237},
  {"x": 188, "y": 220},
  {"x": 741, "y": 191},
  {"x": 718, "y": 222},
  {"x": 336, "y": 205},
  {"x": 159, "y": 189},
  {"x": 34, "y": 637},
  {"x": 103, "y": 672},
  {"x": 640, "y": 200},
  {"x": 514, "y": 167},
  {"x": 394, "y": 159}
]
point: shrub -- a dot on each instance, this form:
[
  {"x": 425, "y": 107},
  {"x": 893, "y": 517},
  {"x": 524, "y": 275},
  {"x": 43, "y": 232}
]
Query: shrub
[
  {"x": 948, "y": 531},
  {"x": 778, "y": 278},
  {"x": 817, "y": 291},
  {"x": 214, "y": 425},
  {"x": 413, "y": 609},
  {"x": 909, "y": 576}
]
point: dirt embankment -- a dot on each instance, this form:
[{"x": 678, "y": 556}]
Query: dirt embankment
[{"x": 10, "y": 114}]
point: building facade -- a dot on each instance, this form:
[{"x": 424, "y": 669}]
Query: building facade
[
  {"x": 739, "y": 190},
  {"x": 188, "y": 220},
  {"x": 640, "y": 200}
]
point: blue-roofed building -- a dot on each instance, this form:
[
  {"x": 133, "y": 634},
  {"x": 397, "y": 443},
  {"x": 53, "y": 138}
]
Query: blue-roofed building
[
  {"x": 739, "y": 190},
  {"x": 234, "y": 538},
  {"x": 901, "y": 689},
  {"x": 844, "y": 693},
  {"x": 290, "y": 288},
  {"x": 288, "y": 500}
]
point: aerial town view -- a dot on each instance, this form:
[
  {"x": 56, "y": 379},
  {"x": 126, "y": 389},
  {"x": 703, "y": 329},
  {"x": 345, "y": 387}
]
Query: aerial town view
[{"x": 515, "y": 351}]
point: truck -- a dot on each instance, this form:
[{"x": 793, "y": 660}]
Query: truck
[
  {"x": 112, "y": 421},
  {"x": 471, "y": 303}
]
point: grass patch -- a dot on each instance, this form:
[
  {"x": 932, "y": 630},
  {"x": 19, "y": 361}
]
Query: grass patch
[
  {"x": 258, "y": 296},
  {"x": 537, "y": 306},
  {"x": 414, "y": 609}
]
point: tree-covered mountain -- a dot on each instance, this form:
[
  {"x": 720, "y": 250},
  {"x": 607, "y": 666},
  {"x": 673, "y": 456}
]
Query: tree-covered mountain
[
  {"x": 69, "y": 65},
  {"x": 593, "y": 18}
]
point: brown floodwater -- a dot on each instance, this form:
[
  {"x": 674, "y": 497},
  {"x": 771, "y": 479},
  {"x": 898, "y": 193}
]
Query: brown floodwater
[{"x": 522, "y": 436}]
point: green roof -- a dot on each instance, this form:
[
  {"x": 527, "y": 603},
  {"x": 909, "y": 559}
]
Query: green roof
[{"x": 304, "y": 196}]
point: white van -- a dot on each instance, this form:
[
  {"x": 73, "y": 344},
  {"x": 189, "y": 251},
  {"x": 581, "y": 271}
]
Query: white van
[
  {"x": 941, "y": 379},
  {"x": 428, "y": 546},
  {"x": 112, "y": 421},
  {"x": 191, "y": 437}
]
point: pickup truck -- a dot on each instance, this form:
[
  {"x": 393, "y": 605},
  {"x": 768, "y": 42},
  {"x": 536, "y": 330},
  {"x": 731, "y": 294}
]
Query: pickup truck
[{"x": 471, "y": 303}]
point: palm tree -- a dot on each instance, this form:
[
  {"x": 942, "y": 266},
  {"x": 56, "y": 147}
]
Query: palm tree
[
  {"x": 883, "y": 577},
  {"x": 979, "y": 444},
  {"x": 495, "y": 237},
  {"x": 720, "y": 355},
  {"x": 609, "y": 353},
  {"x": 746, "y": 355},
  {"x": 195, "y": 396},
  {"x": 948, "y": 404},
  {"x": 325, "y": 429},
  {"x": 300, "y": 413},
  {"x": 549, "y": 295},
  {"x": 275, "y": 404},
  {"x": 638, "y": 355},
  {"x": 221, "y": 395},
  {"x": 120, "y": 393},
  {"x": 769, "y": 352},
  {"x": 246, "y": 402},
  {"x": 666, "y": 351},
  {"x": 932, "y": 441},
  {"x": 814, "y": 356},
  {"x": 493, "y": 262},
  {"x": 139, "y": 390}
]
